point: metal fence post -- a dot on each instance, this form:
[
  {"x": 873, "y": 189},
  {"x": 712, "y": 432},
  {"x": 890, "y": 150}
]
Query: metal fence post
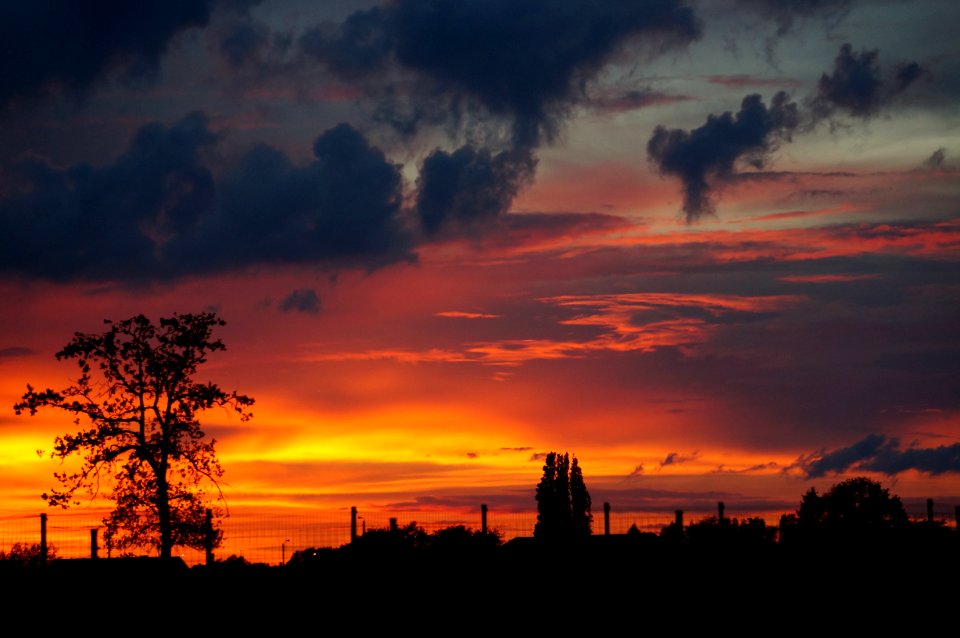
[
  {"x": 679, "y": 520},
  {"x": 209, "y": 537},
  {"x": 43, "y": 539},
  {"x": 606, "y": 519},
  {"x": 353, "y": 524},
  {"x": 720, "y": 508},
  {"x": 93, "y": 543},
  {"x": 483, "y": 519}
]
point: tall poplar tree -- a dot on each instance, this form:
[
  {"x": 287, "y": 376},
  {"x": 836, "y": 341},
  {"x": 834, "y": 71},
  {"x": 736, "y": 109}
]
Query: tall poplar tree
[{"x": 563, "y": 502}]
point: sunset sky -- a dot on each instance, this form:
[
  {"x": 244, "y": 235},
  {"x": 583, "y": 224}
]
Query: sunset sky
[{"x": 712, "y": 248}]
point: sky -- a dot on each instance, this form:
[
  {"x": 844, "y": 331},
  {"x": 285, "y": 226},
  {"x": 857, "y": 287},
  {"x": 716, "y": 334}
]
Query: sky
[{"x": 711, "y": 248}]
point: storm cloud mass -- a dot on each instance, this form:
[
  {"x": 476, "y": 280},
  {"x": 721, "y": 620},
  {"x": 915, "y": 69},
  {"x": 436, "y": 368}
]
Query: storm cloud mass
[
  {"x": 54, "y": 44},
  {"x": 157, "y": 211},
  {"x": 877, "y": 453},
  {"x": 857, "y": 85},
  {"x": 706, "y": 157},
  {"x": 469, "y": 186},
  {"x": 523, "y": 61}
]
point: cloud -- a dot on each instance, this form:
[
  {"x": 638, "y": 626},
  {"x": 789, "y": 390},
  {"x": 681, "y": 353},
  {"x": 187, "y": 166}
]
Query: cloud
[
  {"x": 525, "y": 62},
  {"x": 108, "y": 222},
  {"x": 630, "y": 322},
  {"x": 343, "y": 205},
  {"x": 706, "y": 157},
  {"x": 242, "y": 42},
  {"x": 158, "y": 212},
  {"x": 675, "y": 458},
  {"x": 303, "y": 300},
  {"x": 70, "y": 46},
  {"x": 469, "y": 187},
  {"x": 747, "y": 470},
  {"x": 877, "y": 453},
  {"x": 14, "y": 352},
  {"x": 841, "y": 459},
  {"x": 456, "y": 314},
  {"x": 936, "y": 159},
  {"x": 857, "y": 85},
  {"x": 621, "y": 101},
  {"x": 637, "y": 471},
  {"x": 786, "y": 12},
  {"x": 507, "y": 74}
]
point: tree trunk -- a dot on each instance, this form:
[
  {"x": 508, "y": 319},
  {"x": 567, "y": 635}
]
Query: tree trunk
[{"x": 163, "y": 513}]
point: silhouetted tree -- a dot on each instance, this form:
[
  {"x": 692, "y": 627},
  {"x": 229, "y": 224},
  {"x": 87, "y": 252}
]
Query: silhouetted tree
[
  {"x": 749, "y": 532},
  {"x": 857, "y": 503},
  {"x": 579, "y": 502},
  {"x": 137, "y": 391},
  {"x": 857, "y": 509},
  {"x": 563, "y": 502},
  {"x": 27, "y": 555}
]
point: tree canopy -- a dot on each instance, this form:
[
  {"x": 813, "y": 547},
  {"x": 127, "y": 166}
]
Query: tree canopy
[
  {"x": 857, "y": 504},
  {"x": 563, "y": 502},
  {"x": 139, "y": 403}
]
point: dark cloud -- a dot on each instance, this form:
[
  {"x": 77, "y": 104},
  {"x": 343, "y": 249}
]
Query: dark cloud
[
  {"x": 469, "y": 186},
  {"x": 843, "y": 458},
  {"x": 636, "y": 471},
  {"x": 877, "y": 453},
  {"x": 157, "y": 212},
  {"x": 242, "y": 42},
  {"x": 747, "y": 470},
  {"x": 857, "y": 85},
  {"x": 937, "y": 460},
  {"x": 303, "y": 300},
  {"x": 343, "y": 205},
  {"x": 784, "y": 13},
  {"x": 15, "y": 352},
  {"x": 516, "y": 449},
  {"x": 706, "y": 157},
  {"x": 936, "y": 159},
  {"x": 70, "y": 46},
  {"x": 525, "y": 61},
  {"x": 537, "y": 231},
  {"x": 108, "y": 222},
  {"x": 512, "y": 70},
  {"x": 621, "y": 101},
  {"x": 675, "y": 458}
]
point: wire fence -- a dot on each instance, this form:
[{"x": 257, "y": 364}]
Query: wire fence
[{"x": 273, "y": 537}]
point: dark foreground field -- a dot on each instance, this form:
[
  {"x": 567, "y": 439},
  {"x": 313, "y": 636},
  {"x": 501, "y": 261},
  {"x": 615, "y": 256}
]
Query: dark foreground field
[{"x": 602, "y": 581}]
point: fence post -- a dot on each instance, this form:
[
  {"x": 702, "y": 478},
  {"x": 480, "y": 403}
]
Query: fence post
[
  {"x": 209, "y": 537},
  {"x": 606, "y": 518},
  {"x": 679, "y": 520},
  {"x": 43, "y": 539},
  {"x": 353, "y": 524},
  {"x": 393, "y": 524},
  {"x": 483, "y": 519},
  {"x": 93, "y": 543},
  {"x": 720, "y": 508},
  {"x": 929, "y": 510}
]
